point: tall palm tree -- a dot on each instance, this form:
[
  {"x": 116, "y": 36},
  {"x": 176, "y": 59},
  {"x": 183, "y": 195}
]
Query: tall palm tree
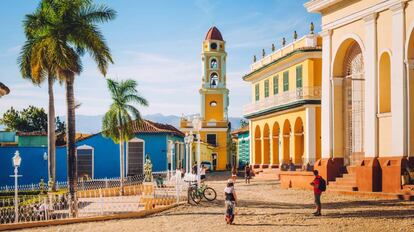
[
  {"x": 68, "y": 29},
  {"x": 117, "y": 122},
  {"x": 35, "y": 65}
]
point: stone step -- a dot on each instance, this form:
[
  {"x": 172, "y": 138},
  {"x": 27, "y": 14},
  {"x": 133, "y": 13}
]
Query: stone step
[
  {"x": 345, "y": 181},
  {"x": 342, "y": 188}
]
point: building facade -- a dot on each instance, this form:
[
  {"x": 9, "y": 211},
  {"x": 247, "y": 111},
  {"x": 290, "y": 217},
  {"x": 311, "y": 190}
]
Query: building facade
[
  {"x": 367, "y": 90},
  {"x": 284, "y": 115},
  {"x": 214, "y": 99},
  {"x": 241, "y": 137},
  {"x": 98, "y": 156}
]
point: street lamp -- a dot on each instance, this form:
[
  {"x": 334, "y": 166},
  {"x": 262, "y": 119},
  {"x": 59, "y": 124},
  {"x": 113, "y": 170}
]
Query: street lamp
[
  {"x": 16, "y": 160},
  {"x": 189, "y": 138},
  {"x": 171, "y": 146},
  {"x": 197, "y": 125}
]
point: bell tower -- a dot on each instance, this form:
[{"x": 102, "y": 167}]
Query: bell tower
[
  {"x": 214, "y": 94},
  {"x": 215, "y": 98}
]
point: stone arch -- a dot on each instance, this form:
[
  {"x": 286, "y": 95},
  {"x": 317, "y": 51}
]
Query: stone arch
[
  {"x": 266, "y": 144},
  {"x": 287, "y": 130},
  {"x": 299, "y": 141},
  {"x": 348, "y": 101},
  {"x": 257, "y": 146},
  {"x": 275, "y": 143}
]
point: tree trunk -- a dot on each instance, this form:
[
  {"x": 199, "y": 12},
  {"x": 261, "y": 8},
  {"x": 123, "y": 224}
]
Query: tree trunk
[
  {"x": 71, "y": 145},
  {"x": 51, "y": 146},
  {"x": 121, "y": 162}
]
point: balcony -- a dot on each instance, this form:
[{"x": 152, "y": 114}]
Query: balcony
[{"x": 283, "y": 99}]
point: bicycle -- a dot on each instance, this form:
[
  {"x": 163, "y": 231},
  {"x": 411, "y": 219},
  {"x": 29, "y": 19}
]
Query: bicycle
[{"x": 198, "y": 193}]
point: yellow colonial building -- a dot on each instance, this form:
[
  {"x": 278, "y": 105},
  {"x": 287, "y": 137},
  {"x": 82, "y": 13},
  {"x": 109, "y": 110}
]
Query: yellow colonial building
[
  {"x": 214, "y": 99},
  {"x": 284, "y": 113},
  {"x": 367, "y": 91}
]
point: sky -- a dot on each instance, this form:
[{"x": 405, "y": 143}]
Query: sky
[{"x": 158, "y": 43}]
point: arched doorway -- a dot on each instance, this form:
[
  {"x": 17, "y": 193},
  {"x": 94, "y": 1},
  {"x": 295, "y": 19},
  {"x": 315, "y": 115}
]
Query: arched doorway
[
  {"x": 257, "y": 146},
  {"x": 266, "y": 144},
  {"x": 299, "y": 141},
  {"x": 275, "y": 143},
  {"x": 286, "y": 141},
  {"x": 348, "y": 106},
  {"x": 410, "y": 73}
]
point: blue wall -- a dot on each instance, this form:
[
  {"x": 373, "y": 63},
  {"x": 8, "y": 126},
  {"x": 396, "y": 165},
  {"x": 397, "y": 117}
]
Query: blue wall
[{"x": 106, "y": 158}]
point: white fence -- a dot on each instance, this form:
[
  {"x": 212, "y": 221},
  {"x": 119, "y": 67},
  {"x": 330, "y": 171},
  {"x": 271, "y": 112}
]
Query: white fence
[{"x": 94, "y": 198}]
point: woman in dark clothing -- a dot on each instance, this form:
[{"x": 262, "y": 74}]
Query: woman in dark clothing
[
  {"x": 247, "y": 174},
  {"x": 230, "y": 201}
]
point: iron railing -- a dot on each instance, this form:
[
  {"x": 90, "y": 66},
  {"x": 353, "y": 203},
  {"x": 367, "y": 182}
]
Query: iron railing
[{"x": 284, "y": 98}]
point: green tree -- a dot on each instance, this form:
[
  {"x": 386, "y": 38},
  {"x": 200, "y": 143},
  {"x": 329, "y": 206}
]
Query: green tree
[
  {"x": 68, "y": 29},
  {"x": 28, "y": 120},
  {"x": 243, "y": 123},
  {"x": 117, "y": 122}
]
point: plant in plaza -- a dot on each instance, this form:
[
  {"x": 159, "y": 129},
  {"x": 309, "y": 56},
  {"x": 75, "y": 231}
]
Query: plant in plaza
[
  {"x": 117, "y": 122},
  {"x": 63, "y": 31}
]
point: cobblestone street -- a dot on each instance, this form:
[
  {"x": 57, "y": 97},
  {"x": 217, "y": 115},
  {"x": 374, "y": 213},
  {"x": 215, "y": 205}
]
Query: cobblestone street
[{"x": 263, "y": 206}]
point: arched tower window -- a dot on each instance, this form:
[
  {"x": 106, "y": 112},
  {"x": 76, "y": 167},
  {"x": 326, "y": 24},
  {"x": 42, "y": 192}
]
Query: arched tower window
[
  {"x": 213, "y": 64},
  {"x": 214, "y": 80}
]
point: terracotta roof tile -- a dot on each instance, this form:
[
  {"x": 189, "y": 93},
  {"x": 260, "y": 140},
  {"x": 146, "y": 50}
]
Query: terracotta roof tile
[
  {"x": 153, "y": 127},
  {"x": 241, "y": 130}
]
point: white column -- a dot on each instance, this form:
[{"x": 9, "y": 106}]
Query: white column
[
  {"x": 271, "y": 146},
  {"x": 310, "y": 135},
  {"x": 251, "y": 140},
  {"x": 370, "y": 105},
  {"x": 398, "y": 79},
  {"x": 326, "y": 101}
]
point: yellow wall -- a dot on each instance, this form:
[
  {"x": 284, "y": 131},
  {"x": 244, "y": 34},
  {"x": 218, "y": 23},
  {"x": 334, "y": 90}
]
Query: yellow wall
[
  {"x": 221, "y": 148},
  {"x": 279, "y": 119},
  {"x": 215, "y": 113},
  {"x": 311, "y": 76}
]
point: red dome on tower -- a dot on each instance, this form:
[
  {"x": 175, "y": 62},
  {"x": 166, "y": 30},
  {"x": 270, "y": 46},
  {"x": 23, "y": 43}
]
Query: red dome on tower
[{"x": 213, "y": 34}]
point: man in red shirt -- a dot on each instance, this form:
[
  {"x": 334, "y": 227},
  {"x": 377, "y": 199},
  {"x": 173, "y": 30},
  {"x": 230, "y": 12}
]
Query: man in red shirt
[{"x": 317, "y": 193}]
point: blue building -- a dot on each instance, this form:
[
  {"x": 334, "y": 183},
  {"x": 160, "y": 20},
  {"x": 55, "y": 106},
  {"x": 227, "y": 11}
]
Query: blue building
[
  {"x": 242, "y": 140},
  {"x": 99, "y": 157}
]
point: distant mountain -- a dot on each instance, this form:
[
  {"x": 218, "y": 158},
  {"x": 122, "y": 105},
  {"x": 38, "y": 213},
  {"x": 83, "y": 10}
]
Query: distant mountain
[{"x": 92, "y": 124}]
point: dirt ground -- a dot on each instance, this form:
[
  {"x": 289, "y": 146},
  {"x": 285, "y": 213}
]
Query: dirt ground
[{"x": 263, "y": 206}]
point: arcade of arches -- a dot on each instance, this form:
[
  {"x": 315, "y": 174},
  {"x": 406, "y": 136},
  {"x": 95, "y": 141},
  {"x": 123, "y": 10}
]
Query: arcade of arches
[
  {"x": 282, "y": 138},
  {"x": 368, "y": 92}
]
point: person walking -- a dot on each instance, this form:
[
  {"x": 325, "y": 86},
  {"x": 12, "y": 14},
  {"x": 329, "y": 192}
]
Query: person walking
[
  {"x": 319, "y": 185},
  {"x": 234, "y": 174},
  {"x": 230, "y": 201},
  {"x": 247, "y": 174}
]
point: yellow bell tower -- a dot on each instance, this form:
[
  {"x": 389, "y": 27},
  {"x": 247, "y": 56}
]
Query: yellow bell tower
[{"x": 215, "y": 97}]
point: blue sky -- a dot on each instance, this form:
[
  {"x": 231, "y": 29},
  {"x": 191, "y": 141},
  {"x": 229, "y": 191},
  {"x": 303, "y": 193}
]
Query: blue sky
[{"x": 158, "y": 43}]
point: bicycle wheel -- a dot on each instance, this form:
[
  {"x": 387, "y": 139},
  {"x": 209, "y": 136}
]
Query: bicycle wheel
[
  {"x": 210, "y": 194},
  {"x": 195, "y": 196}
]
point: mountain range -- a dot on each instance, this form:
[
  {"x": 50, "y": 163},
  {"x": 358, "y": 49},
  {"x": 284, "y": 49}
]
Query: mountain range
[{"x": 92, "y": 124}]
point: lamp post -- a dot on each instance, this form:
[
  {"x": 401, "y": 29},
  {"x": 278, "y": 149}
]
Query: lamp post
[
  {"x": 171, "y": 159},
  {"x": 197, "y": 125},
  {"x": 16, "y": 160},
  {"x": 186, "y": 152},
  {"x": 189, "y": 138}
]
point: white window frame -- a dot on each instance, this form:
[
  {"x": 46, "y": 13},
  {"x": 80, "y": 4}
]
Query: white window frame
[
  {"x": 127, "y": 152},
  {"x": 87, "y": 147}
]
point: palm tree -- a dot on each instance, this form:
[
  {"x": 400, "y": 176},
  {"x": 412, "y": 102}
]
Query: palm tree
[
  {"x": 34, "y": 65},
  {"x": 117, "y": 122},
  {"x": 68, "y": 29}
]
